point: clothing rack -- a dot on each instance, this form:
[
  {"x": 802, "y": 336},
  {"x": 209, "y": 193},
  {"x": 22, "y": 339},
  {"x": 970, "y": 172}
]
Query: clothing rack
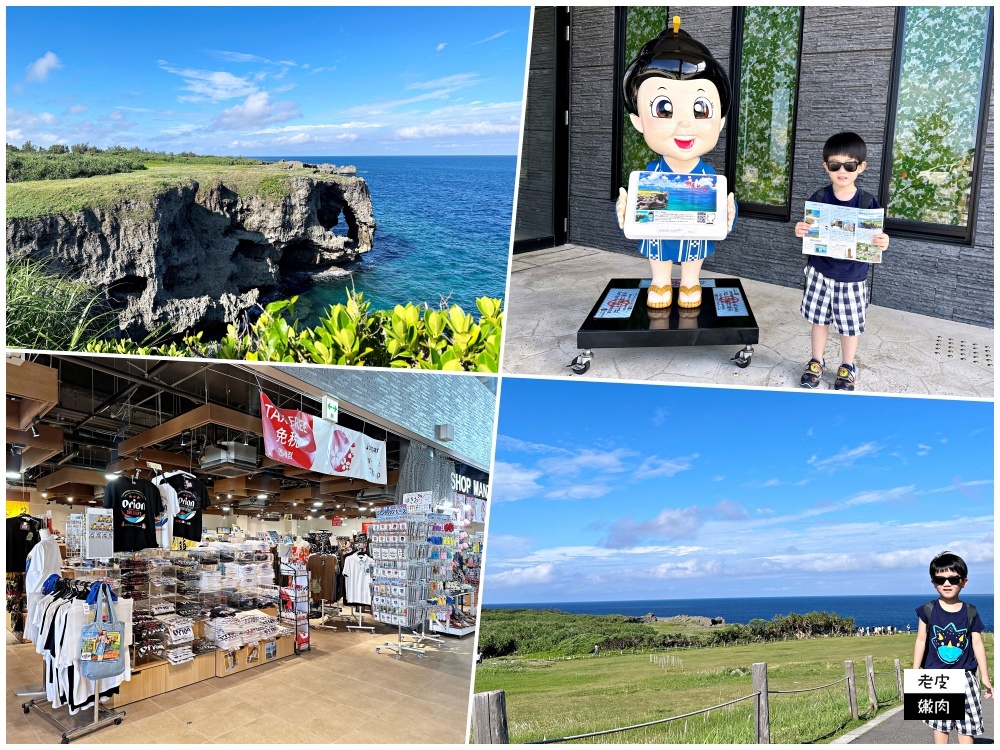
[
  {"x": 361, "y": 621},
  {"x": 76, "y": 727},
  {"x": 399, "y": 646}
]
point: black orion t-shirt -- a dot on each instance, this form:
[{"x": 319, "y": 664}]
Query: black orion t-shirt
[
  {"x": 192, "y": 497},
  {"x": 134, "y": 503}
]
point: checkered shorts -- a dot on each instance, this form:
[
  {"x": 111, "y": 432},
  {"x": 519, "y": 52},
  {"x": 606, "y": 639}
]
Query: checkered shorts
[
  {"x": 972, "y": 724},
  {"x": 841, "y": 302}
]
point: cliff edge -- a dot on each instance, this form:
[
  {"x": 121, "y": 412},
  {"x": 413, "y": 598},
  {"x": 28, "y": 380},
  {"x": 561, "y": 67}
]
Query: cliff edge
[{"x": 182, "y": 249}]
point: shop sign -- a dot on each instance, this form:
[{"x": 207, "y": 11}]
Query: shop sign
[
  {"x": 331, "y": 408},
  {"x": 299, "y": 439},
  {"x": 418, "y": 502},
  {"x": 16, "y": 508},
  {"x": 336, "y": 520},
  {"x": 467, "y": 481}
]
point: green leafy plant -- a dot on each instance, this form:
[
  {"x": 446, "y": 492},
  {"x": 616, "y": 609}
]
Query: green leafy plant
[{"x": 410, "y": 336}]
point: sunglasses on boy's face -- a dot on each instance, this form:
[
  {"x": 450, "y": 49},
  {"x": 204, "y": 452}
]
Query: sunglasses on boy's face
[
  {"x": 850, "y": 166},
  {"x": 942, "y": 580}
]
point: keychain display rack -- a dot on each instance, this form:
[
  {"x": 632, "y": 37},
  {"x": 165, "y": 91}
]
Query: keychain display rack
[{"x": 413, "y": 561}]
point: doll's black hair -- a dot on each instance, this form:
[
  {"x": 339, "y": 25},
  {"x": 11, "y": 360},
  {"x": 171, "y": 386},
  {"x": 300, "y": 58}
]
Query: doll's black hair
[
  {"x": 848, "y": 144},
  {"x": 679, "y": 57},
  {"x": 949, "y": 561}
]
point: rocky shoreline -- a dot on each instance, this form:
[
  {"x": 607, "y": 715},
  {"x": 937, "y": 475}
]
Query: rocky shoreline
[
  {"x": 196, "y": 256},
  {"x": 681, "y": 620}
]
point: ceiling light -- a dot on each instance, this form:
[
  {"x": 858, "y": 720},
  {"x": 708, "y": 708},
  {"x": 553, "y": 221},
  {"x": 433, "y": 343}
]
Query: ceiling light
[
  {"x": 262, "y": 496},
  {"x": 111, "y": 476},
  {"x": 13, "y": 466},
  {"x": 226, "y": 508},
  {"x": 70, "y": 499},
  {"x": 230, "y": 495},
  {"x": 184, "y": 438},
  {"x": 45, "y": 494},
  {"x": 294, "y": 504},
  {"x": 34, "y": 430},
  {"x": 317, "y": 505},
  {"x": 92, "y": 502}
]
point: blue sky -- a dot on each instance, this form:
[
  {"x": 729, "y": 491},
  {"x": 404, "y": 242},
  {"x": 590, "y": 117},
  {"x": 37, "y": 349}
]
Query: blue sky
[
  {"x": 607, "y": 492},
  {"x": 268, "y": 81}
]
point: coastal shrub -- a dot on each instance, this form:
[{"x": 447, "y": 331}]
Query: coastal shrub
[
  {"x": 553, "y": 633},
  {"x": 408, "y": 336},
  {"x": 49, "y": 311},
  {"x": 83, "y": 160}
]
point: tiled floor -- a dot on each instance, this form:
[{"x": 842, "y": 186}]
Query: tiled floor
[
  {"x": 340, "y": 692},
  {"x": 553, "y": 290}
]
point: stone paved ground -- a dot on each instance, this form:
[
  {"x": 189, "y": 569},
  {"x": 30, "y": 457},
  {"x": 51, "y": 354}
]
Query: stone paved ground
[{"x": 553, "y": 290}]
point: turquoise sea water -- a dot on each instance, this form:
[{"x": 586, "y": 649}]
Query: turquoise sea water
[{"x": 443, "y": 231}]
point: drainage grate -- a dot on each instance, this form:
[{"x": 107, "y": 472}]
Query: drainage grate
[{"x": 978, "y": 354}]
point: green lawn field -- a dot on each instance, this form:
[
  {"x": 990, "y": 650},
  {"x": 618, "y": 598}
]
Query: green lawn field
[{"x": 558, "y": 698}]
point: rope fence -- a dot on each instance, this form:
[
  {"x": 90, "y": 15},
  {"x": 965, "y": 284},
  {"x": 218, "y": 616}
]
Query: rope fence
[{"x": 489, "y": 719}]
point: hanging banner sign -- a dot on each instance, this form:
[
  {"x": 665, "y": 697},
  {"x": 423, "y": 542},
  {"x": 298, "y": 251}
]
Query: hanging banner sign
[{"x": 299, "y": 439}]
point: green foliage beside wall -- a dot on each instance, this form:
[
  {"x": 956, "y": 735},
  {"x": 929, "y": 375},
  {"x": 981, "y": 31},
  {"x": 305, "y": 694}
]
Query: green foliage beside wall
[{"x": 642, "y": 23}]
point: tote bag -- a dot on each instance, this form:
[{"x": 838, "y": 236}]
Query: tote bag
[{"x": 103, "y": 653}]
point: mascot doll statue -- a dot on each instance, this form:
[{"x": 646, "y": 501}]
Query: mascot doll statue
[{"x": 677, "y": 96}]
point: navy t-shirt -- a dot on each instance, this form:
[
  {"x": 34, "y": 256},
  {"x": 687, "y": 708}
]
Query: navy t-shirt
[
  {"x": 949, "y": 638},
  {"x": 835, "y": 268}
]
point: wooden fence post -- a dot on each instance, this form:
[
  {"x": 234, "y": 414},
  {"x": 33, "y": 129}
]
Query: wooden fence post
[
  {"x": 852, "y": 695},
  {"x": 762, "y": 716},
  {"x": 489, "y": 718},
  {"x": 899, "y": 679},
  {"x": 870, "y": 670}
]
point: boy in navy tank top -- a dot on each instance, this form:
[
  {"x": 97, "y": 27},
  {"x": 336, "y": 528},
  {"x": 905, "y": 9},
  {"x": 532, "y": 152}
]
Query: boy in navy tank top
[
  {"x": 836, "y": 291},
  {"x": 950, "y": 637}
]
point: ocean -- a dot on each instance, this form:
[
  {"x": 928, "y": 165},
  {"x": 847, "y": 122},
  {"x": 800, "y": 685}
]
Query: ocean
[
  {"x": 443, "y": 232},
  {"x": 867, "y": 611}
]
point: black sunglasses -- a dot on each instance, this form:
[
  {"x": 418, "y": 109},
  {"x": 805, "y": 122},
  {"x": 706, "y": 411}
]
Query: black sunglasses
[
  {"x": 850, "y": 166},
  {"x": 942, "y": 580}
]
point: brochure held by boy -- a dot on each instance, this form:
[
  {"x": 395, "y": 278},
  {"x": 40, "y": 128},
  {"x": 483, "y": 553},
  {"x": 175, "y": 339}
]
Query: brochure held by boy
[{"x": 842, "y": 232}]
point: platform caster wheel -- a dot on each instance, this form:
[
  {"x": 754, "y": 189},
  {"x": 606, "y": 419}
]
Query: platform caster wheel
[
  {"x": 64, "y": 741},
  {"x": 743, "y": 357},
  {"x": 378, "y": 650},
  {"x": 26, "y": 709},
  {"x": 117, "y": 722},
  {"x": 581, "y": 363}
]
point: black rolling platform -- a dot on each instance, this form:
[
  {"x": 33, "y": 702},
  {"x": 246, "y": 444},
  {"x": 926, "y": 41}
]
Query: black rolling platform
[{"x": 620, "y": 319}]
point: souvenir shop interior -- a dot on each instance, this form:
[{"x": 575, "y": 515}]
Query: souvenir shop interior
[{"x": 222, "y": 556}]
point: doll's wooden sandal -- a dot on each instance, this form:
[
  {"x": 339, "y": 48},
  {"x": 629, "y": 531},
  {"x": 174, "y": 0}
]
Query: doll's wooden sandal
[
  {"x": 690, "y": 291},
  {"x": 666, "y": 291}
]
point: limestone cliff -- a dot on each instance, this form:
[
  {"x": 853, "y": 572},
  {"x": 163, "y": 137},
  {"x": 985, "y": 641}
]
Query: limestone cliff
[{"x": 196, "y": 254}]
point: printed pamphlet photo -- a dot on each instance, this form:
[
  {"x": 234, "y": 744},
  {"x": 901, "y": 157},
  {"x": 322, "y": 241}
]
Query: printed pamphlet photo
[{"x": 840, "y": 232}]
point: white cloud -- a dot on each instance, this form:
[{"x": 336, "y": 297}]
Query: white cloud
[
  {"x": 587, "y": 460},
  {"x": 514, "y": 482},
  {"x": 827, "y": 562},
  {"x": 507, "y": 443},
  {"x": 441, "y": 46},
  {"x": 77, "y": 109},
  {"x": 39, "y": 70},
  {"x": 923, "y": 450},
  {"x": 522, "y": 576},
  {"x": 484, "y": 127},
  {"x": 654, "y": 466},
  {"x": 847, "y": 457},
  {"x": 211, "y": 85},
  {"x": 687, "y": 569},
  {"x": 490, "y": 38},
  {"x": 257, "y": 110},
  {"x": 580, "y": 492},
  {"x": 458, "y": 80},
  {"x": 669, "y": 523}
]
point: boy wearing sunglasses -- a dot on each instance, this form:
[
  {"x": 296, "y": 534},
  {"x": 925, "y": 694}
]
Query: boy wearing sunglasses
[
  {"x": 950, "y": 637},
  {"x": 835, "y": 289}
]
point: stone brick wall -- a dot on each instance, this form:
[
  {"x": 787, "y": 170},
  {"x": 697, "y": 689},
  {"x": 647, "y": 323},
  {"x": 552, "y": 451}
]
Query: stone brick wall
[{"x": 844, "y": 85}]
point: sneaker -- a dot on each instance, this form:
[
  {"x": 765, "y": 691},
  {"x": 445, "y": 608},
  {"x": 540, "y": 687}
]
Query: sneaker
[
  {"x": 813, "y": 374},
  {"x": 847, "y": 375}
]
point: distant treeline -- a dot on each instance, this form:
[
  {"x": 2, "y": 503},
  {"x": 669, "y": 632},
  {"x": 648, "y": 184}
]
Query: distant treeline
[
  {"x": 505, "y": 632},
  {"x": 61, "y": 162}
]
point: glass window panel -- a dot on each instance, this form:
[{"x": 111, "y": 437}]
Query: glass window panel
[
  {"x": 769, "y": 71},
  {"x": 642, "y": 23},
  {"x": 937, "y": 114}
]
